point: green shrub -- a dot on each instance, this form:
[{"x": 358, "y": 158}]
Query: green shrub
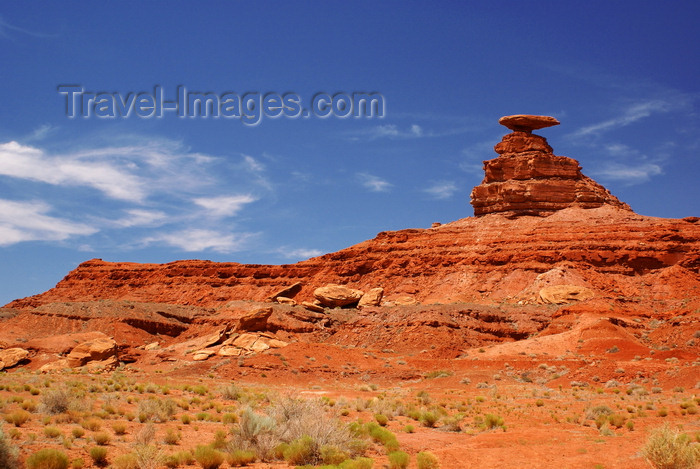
[
  {"x": 99, "y": 455},
  {"x": 240, "y": 457},
  {"x": 493, "y": 421},
  {"x": 383, "y": 436},
  {"x": 669, "y": 449},
  {"x": 333, "y": 455},
  {"x": 47, "y": 458},
  {"x": 427, "y": 461},
  {"x": 381, "y": 419},
  {"x": 52, "y": 432},
  {"x": 359, "y": 463},
  {"x": 8, "y": 453},
  {"x": 398, "y": 460},
  {"x": 208, "y": 457},
  {"x": 181, "y": 458},
  {"x": 429, "y": 419},
  {"x": 301, "y": 451},
  {"x": 172, "y": 437},
  {"x": 78, "y": 432}
]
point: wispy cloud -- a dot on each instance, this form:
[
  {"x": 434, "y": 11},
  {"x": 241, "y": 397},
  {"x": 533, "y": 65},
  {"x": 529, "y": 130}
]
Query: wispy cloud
[
  {"x": 139, "y": 217},
  {"x": 30, "y": 221},
  {"x": 195, "y": 240},
  {"x": 634, "y": 112},
  {"x": 374, "y": 183},
  {"x": 393, "y": 131},
  {"x": 6, "y": 28},
  {"x": 442, "y": 189},
  {"x": 631, "y": 174},
  {"x": 224, "y": 206},
  {"x": 300, "y": 253},
  {"x": 152, "y": 190}
]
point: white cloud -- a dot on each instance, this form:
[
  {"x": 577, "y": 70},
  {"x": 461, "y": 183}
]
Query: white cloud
[
  {"x": 442, "y": 189},
  {"x": 29, "y": 221},
  {"x": 253, "y": 164},
  {"x": 301, "y": 253},
  {"x": 25, "y": 162},
  {"x": 393, "y": 131},
  {"x": 630, "y": 174},
  {"x": 194, "y": 239},
  {"x": 224, "y": 206},
  {"x": 138, "y": 217},
  {"x": 630, "y": 114},
  {"x": 374, "y": 183}
]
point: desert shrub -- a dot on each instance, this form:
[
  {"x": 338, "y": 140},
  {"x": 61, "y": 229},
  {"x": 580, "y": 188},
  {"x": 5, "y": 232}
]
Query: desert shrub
[
  {"x": 383, "y": 436},
  {"x": 301, "y": 451},
  {"x": 398, "y": 460},
  {"x": 668, "y": 449},
  {"x": 181, "y": 458},
  {"x": 593, "y": 413},
  {"x": 92, "y": 424},
  {"x": 148, "y": 456},
  {"x": 240, "y": 457},
  {"x": 381, "y": 419},
  {"x": 359, "y": 463},
  {"x": 427, "y": 460},
  {"x": 145, "y": 435},
  {"x": 78, "y": 432},
  {"x": 429, "y": 419},
  {"x": 231, "y": 392},
  {"x": 52, "y": 432},
  {"x": 125, "y": 461},
  {"x": 229, "y": 418},
  {"x": 101, "y": 438},
  {"x": 77, "y": 463},
  {"x": 8, "y": 453},
  {"x": 186, "y": 419},
  {"x": 172, "y": 437},
  {"x": 47, "y": 458},
  {"x": 98, "y": 455},
  {"x": 17, "y": 418},
  {"x": 119, "y": 428},
  {"x": 57, "y": 401},
  {"x": 156, "y": 410},
  {"x": 208, "y": 457},
  {"x": 333, "y": 455},
  {"x": 492, "y": 421}
]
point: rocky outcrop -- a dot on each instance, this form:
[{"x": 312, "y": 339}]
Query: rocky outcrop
[
  {"x": 12, "y": 356},
  {"x": 528, "y": 179},
  {"x": 560, "y": 294},
  {"x": 333, "y": 295},
  {"x": 102, "y": 349}
]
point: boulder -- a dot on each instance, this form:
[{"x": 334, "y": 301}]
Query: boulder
[
  {"x": 212, "y": 339},
  {"x": 560, "y": 294},
  {"x": 254, "y": 321},
  {"x": 152, "y": 346},
  {"x": 333, "y": 295},
  {"x": 201, "y": 355},
  {"x": 93, "y": 350},
  {"x": 229, "y": 351},
  {"x": 286, "y": 292},
  {"x": 285, "y": 301},
  {"x": 315, "y": 307},
  {"x": 405, "y": 301},
  {"x": 371, "y": 298},
  {"x": 11, "y": 356},
  {"x": 245, "y": 341}
]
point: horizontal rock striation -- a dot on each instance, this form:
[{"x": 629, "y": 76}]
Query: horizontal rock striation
[{"x": 528, "y": 179}]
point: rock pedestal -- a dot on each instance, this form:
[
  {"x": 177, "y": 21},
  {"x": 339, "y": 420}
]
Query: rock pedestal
[{"x": 528, "y": 179}]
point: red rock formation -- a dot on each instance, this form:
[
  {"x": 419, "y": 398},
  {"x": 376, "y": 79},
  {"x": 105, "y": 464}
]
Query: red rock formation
[
  {"x": 501, "y": 257},
  {"x": 484, "y": 259},
  {"x": 528, "y": 179}
]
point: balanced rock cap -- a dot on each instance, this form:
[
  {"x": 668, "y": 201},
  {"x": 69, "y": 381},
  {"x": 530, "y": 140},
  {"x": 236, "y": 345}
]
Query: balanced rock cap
[{"x": 527, "y": 123}]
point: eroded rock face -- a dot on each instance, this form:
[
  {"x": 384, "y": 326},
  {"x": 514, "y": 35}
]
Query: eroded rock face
[
  {"x": 528, "y": 179},
  {"x": 12, "y": 356},
  {"x": 96, "y": 350}
]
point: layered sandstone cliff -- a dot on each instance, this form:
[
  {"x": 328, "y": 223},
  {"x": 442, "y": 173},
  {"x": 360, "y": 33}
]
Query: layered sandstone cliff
[
  {"x": 528, "y": 179},
  {"x": 587, "y": 238}
]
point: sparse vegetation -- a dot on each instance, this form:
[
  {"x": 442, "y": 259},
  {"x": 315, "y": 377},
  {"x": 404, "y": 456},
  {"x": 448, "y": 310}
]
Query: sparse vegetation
[
  {"x": 669, "y": 449},
  {"x": 47, "y": 458}
]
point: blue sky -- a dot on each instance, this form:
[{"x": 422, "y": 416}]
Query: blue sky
[{"x": 622, "y": 77}]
